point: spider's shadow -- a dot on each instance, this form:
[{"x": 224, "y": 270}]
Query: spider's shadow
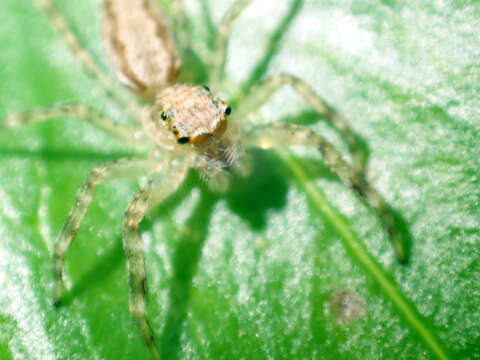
[
  {"x": 250, "y": 198},
  {"x": 185, "y": 262}
]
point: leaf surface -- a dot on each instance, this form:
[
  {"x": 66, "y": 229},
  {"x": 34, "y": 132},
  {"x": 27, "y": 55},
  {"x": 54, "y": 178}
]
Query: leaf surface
[{"x": 289, "y": 264}]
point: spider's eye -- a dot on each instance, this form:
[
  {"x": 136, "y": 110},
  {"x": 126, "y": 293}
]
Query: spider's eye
[
  {"x": 164, "y": 116},
  {"x": 206, "y": 88},
  {"x": 183, "y": 140},
  {"x": 228, "y": 110}
]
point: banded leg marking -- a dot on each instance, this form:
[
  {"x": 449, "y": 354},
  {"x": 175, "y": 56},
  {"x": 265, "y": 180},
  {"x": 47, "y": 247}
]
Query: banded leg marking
[
  {"x": 276, "y": 135},
  {"x": 137, "y": 277},
  {"x": 150, "y": 195}
]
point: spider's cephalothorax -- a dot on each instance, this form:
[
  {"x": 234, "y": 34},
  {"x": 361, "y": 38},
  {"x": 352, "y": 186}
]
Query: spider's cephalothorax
[
  {"x": 191, "y": 119},
  {"x": 192, "y": 114},
  {"x": 186, "y": 126}
]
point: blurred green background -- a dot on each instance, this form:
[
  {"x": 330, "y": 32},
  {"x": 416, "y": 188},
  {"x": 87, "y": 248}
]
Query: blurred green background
[{"x": 258, "y": 273}]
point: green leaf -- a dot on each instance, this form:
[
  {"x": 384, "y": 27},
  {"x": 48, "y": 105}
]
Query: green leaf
[{"x": 289, "y": 264}]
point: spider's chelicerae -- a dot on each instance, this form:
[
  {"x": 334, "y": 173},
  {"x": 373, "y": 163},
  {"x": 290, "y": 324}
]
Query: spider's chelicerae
[{"x": 183, "y": 126}]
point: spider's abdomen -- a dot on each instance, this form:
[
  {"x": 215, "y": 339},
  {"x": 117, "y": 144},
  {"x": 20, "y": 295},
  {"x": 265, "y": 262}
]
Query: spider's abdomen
[{"x": 140, "y": 44}]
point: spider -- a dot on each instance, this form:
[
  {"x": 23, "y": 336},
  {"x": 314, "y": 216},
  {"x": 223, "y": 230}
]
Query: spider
[{"x": 182, "y": 126}]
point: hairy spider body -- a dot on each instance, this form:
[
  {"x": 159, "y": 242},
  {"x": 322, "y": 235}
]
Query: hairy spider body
[
  {"x": 189, "y": 119},
  {"x": 184, "y": 126}
]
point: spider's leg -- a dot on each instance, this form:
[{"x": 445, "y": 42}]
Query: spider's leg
[
  {"x": 217, "y": 62},
  {"x": 81, "y": 111},
  {"x": 265, "y": 89},
  {"x": 272, "y": 47},
  {"x": 276, "y": 135},
  {"x": 116, "y": 169},
  {"x": 177, "y": 12},
  {"x": 150, "y": 195},
  {"x": 80, "y": 53},
  {"x": 180, "y": 21},
  {"x": 182, "y": 30}
]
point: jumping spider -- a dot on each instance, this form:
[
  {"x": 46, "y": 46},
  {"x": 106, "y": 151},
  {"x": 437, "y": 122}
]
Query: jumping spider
[{"x": 184, "y": 126}]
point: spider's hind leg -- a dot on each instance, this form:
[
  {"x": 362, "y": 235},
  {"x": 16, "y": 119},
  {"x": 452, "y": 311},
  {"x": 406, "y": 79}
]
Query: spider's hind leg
[
  {"x": 276, "y": 135},
  {"x": 81, "y": 55},
  {"x": 218, "y": 58}
]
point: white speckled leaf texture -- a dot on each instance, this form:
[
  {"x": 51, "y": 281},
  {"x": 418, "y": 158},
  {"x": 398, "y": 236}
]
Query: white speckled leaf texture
[{"x": 289, "y": 264}]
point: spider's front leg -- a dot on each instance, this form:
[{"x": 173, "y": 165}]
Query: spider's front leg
[
  {"x": 265, "y": 90},
  {"x": 80, "y": 111},
  {"x": 113, "y": 170},
  {"x": 150, "y": 195},
  {"x": 276, "y": 135}
]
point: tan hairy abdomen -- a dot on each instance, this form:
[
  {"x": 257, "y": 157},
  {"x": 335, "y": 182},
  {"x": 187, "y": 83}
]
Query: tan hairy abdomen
[{"x": 140, "y": 44}]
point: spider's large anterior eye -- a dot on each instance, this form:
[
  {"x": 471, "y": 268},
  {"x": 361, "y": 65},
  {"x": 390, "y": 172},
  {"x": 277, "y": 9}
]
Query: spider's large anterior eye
[
  {"x": 228, "y": 110},
  {"x": 164, "y": 116},
  {"x": 183, "y": 140}
]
